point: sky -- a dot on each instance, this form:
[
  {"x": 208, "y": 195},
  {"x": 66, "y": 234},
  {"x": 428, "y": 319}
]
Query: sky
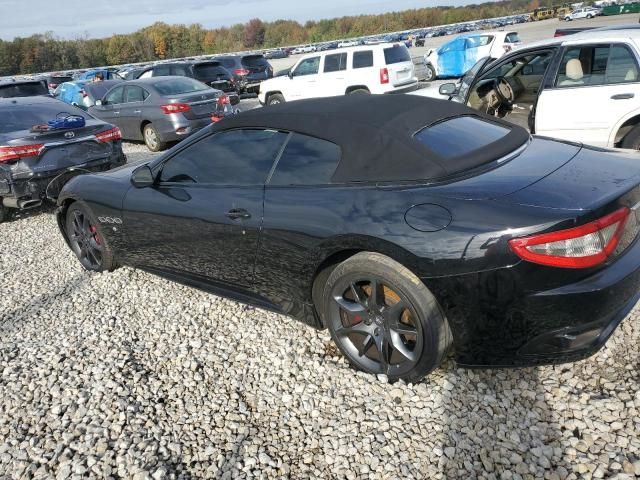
[{"x": 75, "y": 18}]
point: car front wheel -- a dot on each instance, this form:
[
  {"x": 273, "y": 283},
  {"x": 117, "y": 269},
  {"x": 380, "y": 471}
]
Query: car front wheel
[
  {"x": 384, "y": 319},
  {"x": 86, "y": 240},
  {"x": 275, "y": 99},
  {"x": 430, "y": 74}
]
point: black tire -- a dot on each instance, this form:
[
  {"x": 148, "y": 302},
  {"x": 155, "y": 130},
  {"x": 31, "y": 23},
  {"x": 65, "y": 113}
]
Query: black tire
[
  {"x": 589, "y": 16},
  {"x": 632, "y": 139},
  {"x": 4, "y": 213},
  {"x": 431, "y": 74},
  {"x": 403, "y": 319},
  {"x": 87, "y": 240},
  {"x": 152, "y": 138},
  {"x": 275, "y": 99},
  {"x": 359, "y": 91}
]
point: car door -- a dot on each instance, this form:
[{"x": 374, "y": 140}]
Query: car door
[
  {"x": 333, "y": 76},
  {"x": 595, "y": 86},
  {"x": 304, "y": 79},
  {"x": 202, "y": 218},
  {"x": 109, "y": 111},
  {"x": 131, "y": 110}
]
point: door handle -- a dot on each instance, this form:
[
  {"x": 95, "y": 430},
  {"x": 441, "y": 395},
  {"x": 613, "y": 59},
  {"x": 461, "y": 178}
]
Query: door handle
[
  {"x": 116, "y": 113},
  {"x": 137, "y": 111},
  {"x": 236, "y": 213},
  {"x": 622, "y": 96}
]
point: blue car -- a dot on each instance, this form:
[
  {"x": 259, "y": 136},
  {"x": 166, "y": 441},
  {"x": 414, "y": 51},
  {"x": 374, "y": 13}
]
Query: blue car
[
  {"x": 83, "y": 93},
  {"x": 91, "y": 74}
]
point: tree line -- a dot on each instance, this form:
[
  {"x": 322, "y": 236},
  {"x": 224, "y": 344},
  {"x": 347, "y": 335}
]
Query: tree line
[{"x": 46, "y": 52}]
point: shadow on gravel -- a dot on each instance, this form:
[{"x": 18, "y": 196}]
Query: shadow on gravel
[
  {"x": 497, "y": 423},
  {"x": 15, "y": 215}
]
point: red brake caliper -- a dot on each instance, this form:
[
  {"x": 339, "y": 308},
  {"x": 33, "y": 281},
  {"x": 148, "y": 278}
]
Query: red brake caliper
[{"x": 96, "y": 237}]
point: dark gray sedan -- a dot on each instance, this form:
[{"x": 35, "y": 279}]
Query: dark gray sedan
[{"x": 159, "y": 110}]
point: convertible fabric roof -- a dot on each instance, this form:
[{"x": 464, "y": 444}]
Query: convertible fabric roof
[{"x": 376, "y": 132}]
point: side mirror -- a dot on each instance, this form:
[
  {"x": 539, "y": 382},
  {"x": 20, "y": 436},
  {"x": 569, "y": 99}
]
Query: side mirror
[
  {"x": 142, "y": 177},
  {"x": 447, "y": 89},
  {"x": 98, "y": 102},
  {"x": 290, "y": 74}
]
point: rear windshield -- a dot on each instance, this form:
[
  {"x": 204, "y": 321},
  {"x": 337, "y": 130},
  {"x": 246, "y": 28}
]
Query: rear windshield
[
  {"x": 177, "y": 86},
  {"x": 23, "y": 90},
  {"x": 210, "y": 70},
  {"x": 254, "y": 61},
  {"x": 460, "y": 136},
  {"x": 228, "y": 62},
  {"x": 23, "y": 117},
  {"x": 512, "y": 38},
  {"x": 396, "y": 54}
]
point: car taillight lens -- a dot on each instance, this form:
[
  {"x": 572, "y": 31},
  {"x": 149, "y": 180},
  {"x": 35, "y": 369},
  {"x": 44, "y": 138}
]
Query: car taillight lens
[
  {"x": 11, "y": 153},
  {"x": 579, "y": 247},
  {"x": 241, "y": 71},
  {"x": 384, "y": 75},
  {"x": 175, "y": 108},
  {"x": 109, "y": 135}
]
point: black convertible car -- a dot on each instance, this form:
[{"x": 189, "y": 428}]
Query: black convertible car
[{"x": 405, "y": 225}]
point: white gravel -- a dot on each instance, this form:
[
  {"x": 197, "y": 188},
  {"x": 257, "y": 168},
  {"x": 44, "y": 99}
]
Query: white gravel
[{"x": 126, "y": 375}]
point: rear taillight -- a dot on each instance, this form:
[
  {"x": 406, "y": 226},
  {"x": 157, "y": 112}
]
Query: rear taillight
[
  {"x": 384, "y": 75},
  {"x": 109, "y": 135},
  {"x": 580, "y": 247},
  {"x": 175, "y": 108},
  {"x": 241, "y": 71},
  {"x": 11, "y": 153}
]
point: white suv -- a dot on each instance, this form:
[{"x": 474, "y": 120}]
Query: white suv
[{"x": 384, "y": 68}]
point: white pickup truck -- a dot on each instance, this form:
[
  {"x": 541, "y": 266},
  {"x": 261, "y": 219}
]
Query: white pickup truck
[
  {"x": 384, "y": 68},
  {"x": 583, "y": 87}
]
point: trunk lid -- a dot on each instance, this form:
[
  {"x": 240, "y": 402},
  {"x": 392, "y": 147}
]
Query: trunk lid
[{"x": 202, "y": 104}]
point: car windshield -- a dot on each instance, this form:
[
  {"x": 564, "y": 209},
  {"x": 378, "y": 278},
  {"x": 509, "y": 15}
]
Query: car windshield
[
  {"x": 23, "y": 117},
  {"x": 396, "y": 54},
  {"x": 460, "y": 136},
  {"x": 23, "y": 90},
  {"x": 177, "y": 86}
]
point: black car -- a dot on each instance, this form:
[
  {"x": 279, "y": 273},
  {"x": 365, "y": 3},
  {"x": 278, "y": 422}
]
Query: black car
[
  {"x": 23, "y": 88},
  {"x": 211, "y": 73},
  {"x": 404, "y": 225},
  {"x": 32, "y": 155},
  {"x": 276, "y": 53},
  {"x": 248, "y": 70}
]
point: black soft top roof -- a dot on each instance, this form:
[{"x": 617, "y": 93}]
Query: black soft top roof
[{"x": 376, "y": 132}]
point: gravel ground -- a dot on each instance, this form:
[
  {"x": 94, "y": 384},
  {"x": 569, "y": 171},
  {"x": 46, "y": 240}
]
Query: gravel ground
[{"x": 126, "y": 375}]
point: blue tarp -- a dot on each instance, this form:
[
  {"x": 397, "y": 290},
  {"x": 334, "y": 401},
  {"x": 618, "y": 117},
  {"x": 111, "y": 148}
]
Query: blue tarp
[{"x": 457, "y": 56}]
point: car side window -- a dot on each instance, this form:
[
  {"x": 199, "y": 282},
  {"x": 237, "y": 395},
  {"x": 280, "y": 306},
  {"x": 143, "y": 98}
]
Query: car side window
[
  {"x": 306, "y": 161},
  {"x": 161, "y": 71},
  {"x": 133, "y": 94},
  {"x": 592, "y": 65},
  {"x": 179, "y": 70},
  {"x": 363, "y": 59},
  {"x": 115, "y": 96},
  {"x": 335, "y": 62},
  {"x": 308, "y": 66},
  {"x": 235, "y": 157}
]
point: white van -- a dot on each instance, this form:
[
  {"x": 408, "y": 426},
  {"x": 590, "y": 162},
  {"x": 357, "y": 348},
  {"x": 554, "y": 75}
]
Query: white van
[{"x": 384, "y": 68}]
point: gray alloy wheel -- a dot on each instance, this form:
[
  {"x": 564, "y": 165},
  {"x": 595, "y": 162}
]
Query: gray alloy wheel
[
  {"x": 384, "y": 319},
  {"x": 86, "y": 239},
  {"x": 152, "y": 139},
  {"x": 431, "y": 73},
  {"x": 275, "y": 99}
]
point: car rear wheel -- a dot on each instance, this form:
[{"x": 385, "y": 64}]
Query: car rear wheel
[
  {"x": 359, "y": 91},
  {"x": 430, "y": 74},
  {"x": 632, "y": 139},
  {"x": 275, "y": 99},
  {"x": 384, "y": 319},
  {"x": 86, "y": 240},
  {"x": 152, "y": 139}
]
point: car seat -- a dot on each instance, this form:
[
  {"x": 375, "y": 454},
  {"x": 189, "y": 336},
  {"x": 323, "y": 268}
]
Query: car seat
[{"x": 574, "y": 74}]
